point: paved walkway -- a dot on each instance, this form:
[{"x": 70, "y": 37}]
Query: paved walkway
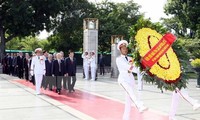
[{"x": 18, "y": 101}]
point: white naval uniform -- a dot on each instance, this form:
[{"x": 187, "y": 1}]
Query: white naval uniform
[
  {"x": 39, "y": 69},
  {"x": 93, "y": 67},
  {"x": 127, "y": 81},
  {"x": 86, "y": 65},
  {"x": 175, "y": 101}
]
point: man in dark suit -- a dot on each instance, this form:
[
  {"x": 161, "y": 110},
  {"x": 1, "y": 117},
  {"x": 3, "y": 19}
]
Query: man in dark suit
[
  {"x": 14, "y": 63},
  {"x": 70, "y": 66},
  {"x": 26, "y": 66},
  {"x": 20, "y": 65},
  {"x": 49, "y": 81},
  {"x": 58, "y": 71},
  {"x": 10, "y": 67},
  {"x": 102, "y": 64},
  {"x": 5, "y": 64}
]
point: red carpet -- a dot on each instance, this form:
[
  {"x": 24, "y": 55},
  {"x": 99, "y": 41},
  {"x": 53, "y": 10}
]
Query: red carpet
[{"x": 97, "y": 107}]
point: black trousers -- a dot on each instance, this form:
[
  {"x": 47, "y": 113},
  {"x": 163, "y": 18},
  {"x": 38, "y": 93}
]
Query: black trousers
[
  {"x": 26, "y": 73},
  {"x": 59, "y": 82},
  {"x": 20, "y": 72},
  {"x": 65, "y": 82},
  {"x": 102, "y": 70},
  {"x": 71, "y": 82}
]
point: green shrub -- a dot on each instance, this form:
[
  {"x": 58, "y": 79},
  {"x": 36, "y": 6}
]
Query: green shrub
[{"x": 196, "y": 62}]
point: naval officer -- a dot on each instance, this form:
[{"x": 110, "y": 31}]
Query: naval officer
[
  {"x": 176, "y": 99},
  {"x": 93, "y": 66},
  {"x": 38, "y": 68},
  {"x": 126, "y": 79},
  {"x": 86, "y": 64}
]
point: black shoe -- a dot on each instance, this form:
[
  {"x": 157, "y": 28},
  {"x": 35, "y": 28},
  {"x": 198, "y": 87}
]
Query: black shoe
[
  {"x": 73, "y": 90},
  {"x": 51, "y": 89},
  {"x": 59, "y": 92}
]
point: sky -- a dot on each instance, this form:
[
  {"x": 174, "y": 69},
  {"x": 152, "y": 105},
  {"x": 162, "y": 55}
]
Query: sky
[{"x": 153, "y": 9}]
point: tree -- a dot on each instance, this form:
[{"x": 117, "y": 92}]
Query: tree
[
  {"x": 20, "y": 18},
  {"x": 68, "y": 33},
  {"x": 115, "y": 19},
  {"x": 186, "y": 16},
  {"x": 185, "y": 21}
]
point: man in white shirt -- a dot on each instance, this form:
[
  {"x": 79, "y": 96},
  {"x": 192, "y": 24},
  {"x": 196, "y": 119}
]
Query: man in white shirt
[
  {"x": 126, "y": 79},
  {"x": 38, "y": 68}
]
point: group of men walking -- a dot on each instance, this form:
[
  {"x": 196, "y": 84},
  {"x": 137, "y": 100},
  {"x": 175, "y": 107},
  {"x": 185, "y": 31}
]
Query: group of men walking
[
  {"x": 16, "y": 64},
  {"x": 43, "y": 69}
]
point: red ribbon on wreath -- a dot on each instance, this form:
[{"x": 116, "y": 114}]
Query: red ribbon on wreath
[{"x": 155, "y": 53}]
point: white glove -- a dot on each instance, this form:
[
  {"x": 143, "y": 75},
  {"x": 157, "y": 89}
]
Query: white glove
[
  {"x": 142, "y": 73},
  {"x": 31, "y": 72}
]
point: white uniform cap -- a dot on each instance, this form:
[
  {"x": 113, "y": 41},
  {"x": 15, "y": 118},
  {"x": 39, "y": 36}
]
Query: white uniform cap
[
  {"x": 38, "y": 49},
  {"x": 122, "y": 42}
]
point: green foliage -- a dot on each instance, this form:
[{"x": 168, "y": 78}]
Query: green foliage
[
  {"x": 20, "y": 18},
  {"x": 69, "y": 30},
  {"x": 185, "y": 16},
  {"x": 27, "y": 17},
  {"x": 141, "y": 23},
  {"x": 26, "y": 43},
  {"x": 115, "y": 19},
  {"x": 193, "y": 47}
]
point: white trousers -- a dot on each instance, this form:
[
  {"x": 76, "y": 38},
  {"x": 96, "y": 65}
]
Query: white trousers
[
  {"x": 130, "y": 97},
  {"x": 38, "y": 82},
  {"x": 86, "y": 71},
  {"x": 140, "y": 82},
  {"x": 93, "y": 73},
  {"x": 176, "y": 98}
]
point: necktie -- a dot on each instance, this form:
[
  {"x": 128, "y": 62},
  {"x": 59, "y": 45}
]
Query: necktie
[{"x": 126, "y": 58}]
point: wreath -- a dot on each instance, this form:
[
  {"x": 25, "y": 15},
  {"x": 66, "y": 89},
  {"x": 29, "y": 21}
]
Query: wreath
[{"x": 166, "y": 72}]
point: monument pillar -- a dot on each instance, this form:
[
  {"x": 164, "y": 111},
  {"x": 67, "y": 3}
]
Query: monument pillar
[{"x": 90, "y": 35}]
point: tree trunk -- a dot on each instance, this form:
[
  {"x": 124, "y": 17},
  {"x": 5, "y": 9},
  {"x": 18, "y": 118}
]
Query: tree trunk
[{"x": 2, "y": 41}]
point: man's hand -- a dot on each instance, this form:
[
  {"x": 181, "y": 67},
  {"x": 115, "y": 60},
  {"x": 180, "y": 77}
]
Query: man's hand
[{"x": 66, "y": 74}]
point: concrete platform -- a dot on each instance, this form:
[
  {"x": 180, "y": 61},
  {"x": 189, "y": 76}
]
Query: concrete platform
[{"x": 18, "y": 101}]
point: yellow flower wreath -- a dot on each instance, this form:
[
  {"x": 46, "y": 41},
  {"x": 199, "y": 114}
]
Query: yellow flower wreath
[{"x": 168, "y": 66}]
